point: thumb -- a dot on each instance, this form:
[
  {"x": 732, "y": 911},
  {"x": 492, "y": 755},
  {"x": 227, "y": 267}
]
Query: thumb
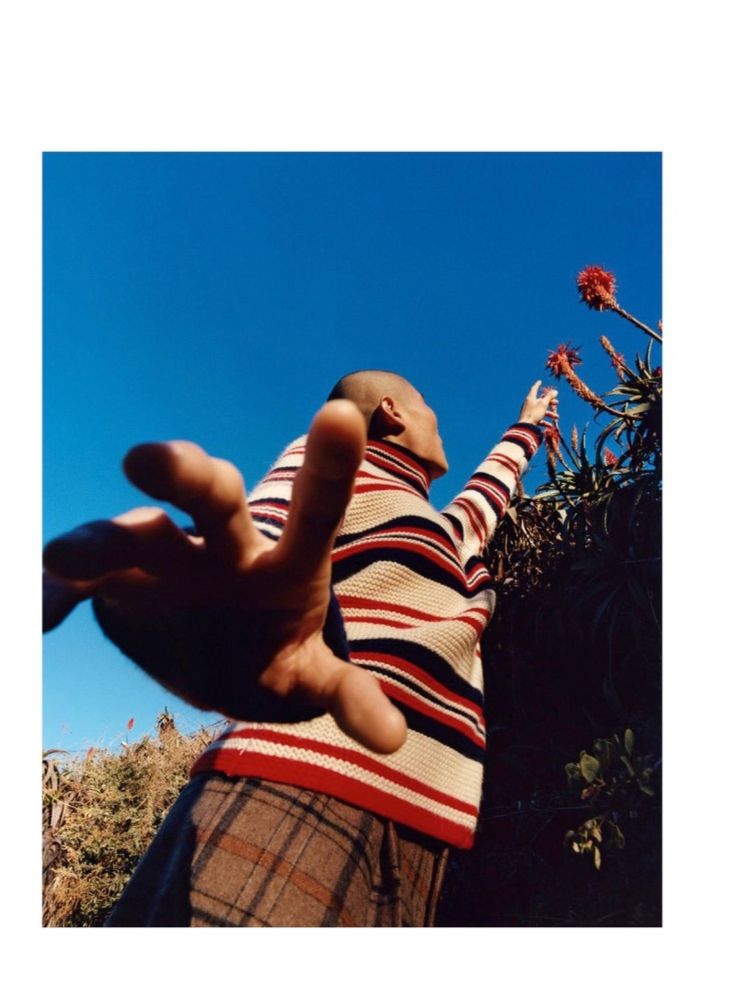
[{"x": 362, "y": 710}]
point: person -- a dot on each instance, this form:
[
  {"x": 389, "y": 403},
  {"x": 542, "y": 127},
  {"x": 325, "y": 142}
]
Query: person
[{"x": 335, "y": 617}]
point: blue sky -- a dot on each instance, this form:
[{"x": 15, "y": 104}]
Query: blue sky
[{"x": 218, "y": 297}]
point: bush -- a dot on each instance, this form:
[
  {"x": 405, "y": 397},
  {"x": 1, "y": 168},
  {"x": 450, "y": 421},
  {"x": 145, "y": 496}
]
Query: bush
[
  {"x": 570, "y": 825},
  {"x": 101, "y": 812}
]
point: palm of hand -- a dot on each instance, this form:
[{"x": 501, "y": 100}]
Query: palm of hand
[{"x": 145, "y": 567}]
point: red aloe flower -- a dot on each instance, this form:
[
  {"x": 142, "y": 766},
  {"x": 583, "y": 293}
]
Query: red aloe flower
[
  {"x": 609, "y": 457},
  {"x": 552, "y": 438},
  {"x": 562, "y": 358},
  {"x": 552, "y": 435},
  {"x": 617, "y": 359},
  {"x": 597, "y": 288}
]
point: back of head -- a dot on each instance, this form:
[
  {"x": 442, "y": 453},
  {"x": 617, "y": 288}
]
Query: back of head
[
  {"x": 394, "y": 410},
  {"x": 365, "y": 388}
]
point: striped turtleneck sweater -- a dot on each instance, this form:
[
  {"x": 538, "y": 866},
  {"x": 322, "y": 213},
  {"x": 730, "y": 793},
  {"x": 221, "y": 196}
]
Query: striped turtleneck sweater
[{"x": 415, "y": 598}]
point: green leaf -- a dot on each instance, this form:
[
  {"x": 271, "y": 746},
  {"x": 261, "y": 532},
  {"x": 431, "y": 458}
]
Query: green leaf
[
  {"x": 588, "y": 766},
  {"x": 629, "y": 741},
  {"x": 627, "y": 763}
]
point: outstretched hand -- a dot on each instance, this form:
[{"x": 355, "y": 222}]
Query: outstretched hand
[
  {"x": 540, "y": 409},
  {"x": 143, "y": 566}
]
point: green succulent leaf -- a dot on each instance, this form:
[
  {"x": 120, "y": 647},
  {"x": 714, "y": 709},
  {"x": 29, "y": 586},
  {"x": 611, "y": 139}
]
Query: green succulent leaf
[{"x": 589, "y": 767}]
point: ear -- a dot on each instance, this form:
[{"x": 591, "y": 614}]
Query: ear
[{"x": 387, "y": 419}]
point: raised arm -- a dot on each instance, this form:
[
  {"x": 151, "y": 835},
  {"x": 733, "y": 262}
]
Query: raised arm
[{"x": 477, "y": 509}]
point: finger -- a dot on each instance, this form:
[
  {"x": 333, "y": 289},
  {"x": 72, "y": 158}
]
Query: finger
[
  {"x": 356, "y": 701},
  {"x": 365, "y": 713},
  {"x": 59, "y": 599},
  {"x": 532, "y": 395},
  {"x": 144, "y": 538},
  {"x": 550, "y": 397},
  {"x": 210, "y": 490},
  {"x": 323, "y": 487}
]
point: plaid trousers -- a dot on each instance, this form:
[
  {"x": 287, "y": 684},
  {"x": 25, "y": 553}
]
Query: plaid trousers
[{"x": 245, "y": 852}]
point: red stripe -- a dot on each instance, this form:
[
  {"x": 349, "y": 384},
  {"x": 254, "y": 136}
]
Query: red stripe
[
  {"x": 320, "y": 779},
  {"x": 478, "y": 567},
  {"x": 384, "y": 462},
  {"x": 505, "y": 460},
  {"x": 352, "y": 756},
  {"x": 409, "y": 464},
  {"x": 417, "y": 549},
  {"x": 398, "y": 625},
  {"x": 421, "y": 705},
  {"x": 413, "y": 671},
  {"x": 397, "y": 488},
  {"x": 532, "y": 443},
  {"x": 269, "y": 512},
  {"x": 466, "y": 507},
  {"x": 413, "y": 535},
  {"x": 499, "y": 496},
  {"x": 357, "y": 602},
  {"x": 378, "y": 621},
  {"x": 364, "y": 474}
]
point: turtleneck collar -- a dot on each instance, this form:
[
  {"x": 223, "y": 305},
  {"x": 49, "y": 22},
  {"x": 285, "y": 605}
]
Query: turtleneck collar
[{"x": 400, "y": 462}]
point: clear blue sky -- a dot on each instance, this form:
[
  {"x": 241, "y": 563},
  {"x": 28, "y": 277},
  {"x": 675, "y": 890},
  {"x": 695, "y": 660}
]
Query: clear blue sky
[{"x": 217, "y": 297}]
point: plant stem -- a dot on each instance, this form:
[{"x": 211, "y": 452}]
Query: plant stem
[{"x": 635, "y": 321}]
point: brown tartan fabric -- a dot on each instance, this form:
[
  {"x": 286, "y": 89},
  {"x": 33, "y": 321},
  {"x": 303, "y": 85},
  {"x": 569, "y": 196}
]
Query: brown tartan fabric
[{"x": 245, "y": 852}]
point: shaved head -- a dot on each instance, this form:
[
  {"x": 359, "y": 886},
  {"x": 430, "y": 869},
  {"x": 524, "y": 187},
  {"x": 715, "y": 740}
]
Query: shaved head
[
  {"x": 394, "y": 411},
  {"x": 365, "y": 388}
]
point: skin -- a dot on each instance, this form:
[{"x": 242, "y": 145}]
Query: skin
[{"x": 144, "y": 566}]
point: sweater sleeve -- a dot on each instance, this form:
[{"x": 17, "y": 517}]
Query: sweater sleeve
[
  {"x": 190, "y": 651},
  {"x": 476, "y": 511}
]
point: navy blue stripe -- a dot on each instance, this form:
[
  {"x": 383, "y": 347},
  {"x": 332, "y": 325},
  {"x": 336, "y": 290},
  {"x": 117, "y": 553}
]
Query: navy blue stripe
[
  {"x": 269, "y": 499},
  {"x": 457, "y": 525},
  {"x": 527, "y": 447},
  {"x": 419, "y": 689},
  {"x": 440, "y": 732},
  {"x": 261, "y": 526},
  {"x": 376, "y": 554},
  {"x": 493, "y": 481},
  {"x": 424, "y": 659},
  {"x": 497, "y": 510},
  {"x": 376, "y": 458},
  {"x": 267, "y": 519},
  {"x": 398, "y": 524}
]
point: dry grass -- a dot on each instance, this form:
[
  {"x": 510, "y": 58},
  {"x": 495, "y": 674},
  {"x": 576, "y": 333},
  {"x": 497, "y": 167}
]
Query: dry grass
[{"x": 100, "y": 814}]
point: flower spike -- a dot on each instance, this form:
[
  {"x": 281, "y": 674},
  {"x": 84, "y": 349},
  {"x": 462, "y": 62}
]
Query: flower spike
[{"x": 597, "y": 288}]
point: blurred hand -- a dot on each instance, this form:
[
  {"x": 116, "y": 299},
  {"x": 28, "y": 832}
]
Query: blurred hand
[
  {"x": 143, "y": 566},
  {"x": 540, "y": 409}
]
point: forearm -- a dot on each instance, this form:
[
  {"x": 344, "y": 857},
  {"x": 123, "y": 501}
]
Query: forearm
[{"x": 476, "y": 511}]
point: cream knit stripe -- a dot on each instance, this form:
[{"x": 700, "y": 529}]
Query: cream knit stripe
[
  {"x": 393, "y": 537},
  {"x": 434, "y": 765},
  {"x": 412, "y": 684},
  {"x": 414, "y": 601},
  {"x": 496, "y": 465},
  {"x": 356, "y": 773}
]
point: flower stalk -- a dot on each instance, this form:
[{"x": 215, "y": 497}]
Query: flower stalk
[{"x": 597, "y": 289}]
